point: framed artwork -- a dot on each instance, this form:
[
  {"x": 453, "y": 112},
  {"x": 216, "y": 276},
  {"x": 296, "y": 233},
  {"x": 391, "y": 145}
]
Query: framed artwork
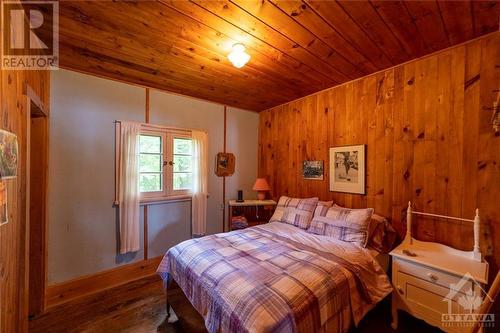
[
  {"x": 8, "y": 155},
  {"x": 4, "y": 217},
  {"x": 313, "y": 170},
  {"x": 347, "y": 169},
  {"x": 224, "y": 164}
]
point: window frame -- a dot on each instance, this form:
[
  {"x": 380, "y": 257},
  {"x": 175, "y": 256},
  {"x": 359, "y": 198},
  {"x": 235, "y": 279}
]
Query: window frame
[
  {"x": 168, "y": 135},
  {"x": 147, "y": 196},
  {"x": 178, "y": 135}
]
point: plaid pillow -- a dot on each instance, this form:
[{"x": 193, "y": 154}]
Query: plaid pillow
[
  {"x": 295, "y": 211},
  {"x": 322, "y": 208},
  {"x": 348, "y": 225}
]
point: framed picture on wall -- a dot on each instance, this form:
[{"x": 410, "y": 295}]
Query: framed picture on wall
[
  {"x": 313, "y": 170},
  {"x": 347, "y": 169},
  {"x": 4, "y": 217},
  {"x": 224, "y": 164}
]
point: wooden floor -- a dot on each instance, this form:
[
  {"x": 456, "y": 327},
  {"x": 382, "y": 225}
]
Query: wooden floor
[{"x": 140, "y": 307}]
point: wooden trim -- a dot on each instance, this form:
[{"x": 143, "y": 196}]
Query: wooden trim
[
  {"x": 146, "y": 239},
  {"x": 39, "y": 110},
  {"x": 147, "y": 107},
  {"x": 61, "y": 293},
  {"x": 37, "y": 228},
  {"x": 224, "y": 177},
  {"x": 145, "y": 220}
]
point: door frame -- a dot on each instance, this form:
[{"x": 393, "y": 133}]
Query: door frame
[{"x": 35, "y": 301}]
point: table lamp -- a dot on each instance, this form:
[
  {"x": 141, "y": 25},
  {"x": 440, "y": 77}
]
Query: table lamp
[{"x": 261, "y": 187}]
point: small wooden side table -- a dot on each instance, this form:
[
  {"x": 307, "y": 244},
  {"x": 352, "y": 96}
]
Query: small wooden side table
[{"x": 256, "y": 211}]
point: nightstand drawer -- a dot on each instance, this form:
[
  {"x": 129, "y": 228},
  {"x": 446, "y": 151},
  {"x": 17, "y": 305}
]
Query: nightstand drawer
[
  {"x": 426, "y": 299},
  {"x": 431, "y": 275}
]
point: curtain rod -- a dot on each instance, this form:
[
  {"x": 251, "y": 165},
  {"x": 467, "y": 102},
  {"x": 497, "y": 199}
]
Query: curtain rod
[{"x": 161, "y": 126}]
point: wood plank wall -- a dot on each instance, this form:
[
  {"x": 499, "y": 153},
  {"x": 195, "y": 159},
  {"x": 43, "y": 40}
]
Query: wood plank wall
[
  {"x": 429, "y": 140},
  {"x": 13, "y": 235}
]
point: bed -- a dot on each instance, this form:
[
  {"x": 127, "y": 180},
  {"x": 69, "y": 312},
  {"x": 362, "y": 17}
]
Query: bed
[{"x": 276, "y": 278}]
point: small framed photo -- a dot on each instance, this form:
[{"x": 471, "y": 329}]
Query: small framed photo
[
  {"x": 313, "y": 170},
  {"x": 4, "y": 217},
  {"x": 224, "y": 164},
  {"x": 347, "y": 169},
  {"x": 8, "y": 155}
]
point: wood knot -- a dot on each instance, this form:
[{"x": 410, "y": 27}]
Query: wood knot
[
  {"x": 418, "y": 191},
  {"x": 406, "y": 175},
  {"x": 481, "y": 165},
  {"x": 421, "y": 135},
  {"x": 411, "y": 81}
]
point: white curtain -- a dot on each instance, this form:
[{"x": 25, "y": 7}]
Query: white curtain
[
  {"x": 128, "y": 192},
  {"x": 200, "y": 180}
]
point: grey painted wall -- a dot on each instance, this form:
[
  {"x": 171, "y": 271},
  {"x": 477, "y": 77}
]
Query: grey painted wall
[
  {"x": 242, "y": 140},
  {"x": 82, "y": 223}
]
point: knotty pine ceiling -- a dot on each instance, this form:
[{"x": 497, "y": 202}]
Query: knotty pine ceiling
[{"x": 297, "y": 47}]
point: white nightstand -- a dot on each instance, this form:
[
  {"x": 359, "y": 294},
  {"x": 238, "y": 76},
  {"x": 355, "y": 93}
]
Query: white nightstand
[{"x": 430, "y": 281}]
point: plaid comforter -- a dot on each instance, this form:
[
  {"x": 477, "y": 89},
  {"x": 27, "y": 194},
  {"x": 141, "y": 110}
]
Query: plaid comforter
[{"x": 275, "y": 278}]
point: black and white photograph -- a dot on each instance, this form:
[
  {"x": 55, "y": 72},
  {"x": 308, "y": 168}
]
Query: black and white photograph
[
  {"x": 347, "y": 169},
  {"x": 313, "y": 170}
]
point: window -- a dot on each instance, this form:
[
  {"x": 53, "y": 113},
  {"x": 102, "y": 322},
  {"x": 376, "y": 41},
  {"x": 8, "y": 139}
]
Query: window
[
  {"x": 151, "y": 163},
  {"x": 165, "y": 163}
]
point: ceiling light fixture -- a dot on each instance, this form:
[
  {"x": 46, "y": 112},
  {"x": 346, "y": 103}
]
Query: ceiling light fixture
[{"x": 238, "y": 56}]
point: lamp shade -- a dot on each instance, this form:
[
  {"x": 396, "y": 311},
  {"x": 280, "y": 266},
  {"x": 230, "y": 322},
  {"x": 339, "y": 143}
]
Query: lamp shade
[{"x": 261, "y": 185}]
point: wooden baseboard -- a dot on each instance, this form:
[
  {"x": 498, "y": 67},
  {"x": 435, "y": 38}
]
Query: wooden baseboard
[{"x": 63, "y": 292}]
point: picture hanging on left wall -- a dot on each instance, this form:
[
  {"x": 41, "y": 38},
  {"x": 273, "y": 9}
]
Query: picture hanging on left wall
[
  {"x": 8, "y": 168},
  {"x": 4, "y": 217}
]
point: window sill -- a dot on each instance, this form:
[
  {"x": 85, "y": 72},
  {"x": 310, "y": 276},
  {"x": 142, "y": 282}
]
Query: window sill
[{"x": 171, "y": 199}]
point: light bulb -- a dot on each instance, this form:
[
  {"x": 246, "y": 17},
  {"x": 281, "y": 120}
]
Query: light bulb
[{"x": 238, "y": 56}]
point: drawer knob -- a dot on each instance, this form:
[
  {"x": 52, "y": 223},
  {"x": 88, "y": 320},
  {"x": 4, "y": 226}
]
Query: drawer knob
[
  {"x": 400, "y": 290},
  {"x": 433, "y": 277}
]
